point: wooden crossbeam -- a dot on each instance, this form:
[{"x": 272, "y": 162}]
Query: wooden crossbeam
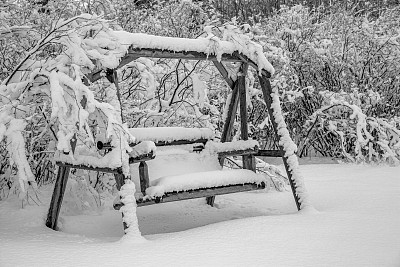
[
  {"x": 189, "y": 55},
  {"x": 135, "y": 53}
]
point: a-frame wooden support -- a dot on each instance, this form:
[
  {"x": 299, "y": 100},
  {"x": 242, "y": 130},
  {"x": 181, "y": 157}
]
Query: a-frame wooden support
[
  {"x": 64, "y": 169},
  {"x": 239, "y": 93},
  {"x": 238, "y": 88}
]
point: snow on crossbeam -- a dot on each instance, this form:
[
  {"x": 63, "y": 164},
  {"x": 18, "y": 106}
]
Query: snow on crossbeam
[
  {"x": 202, "y": 180},
  {"x": 210, "y": 47}
]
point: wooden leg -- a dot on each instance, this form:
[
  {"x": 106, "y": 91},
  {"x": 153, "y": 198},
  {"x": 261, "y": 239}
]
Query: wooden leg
[
  {"x": 120, "y": 181},
  {"x": 210, "y": 201},
  {"x": 57, "y": 197},
  {"x": 144, "y": 177},
  {"x": 249, "y": 162},
  {"x": 267, "y": 90}
]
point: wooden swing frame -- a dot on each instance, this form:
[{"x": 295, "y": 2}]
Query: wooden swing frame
[{"x": 238, "y": 96}]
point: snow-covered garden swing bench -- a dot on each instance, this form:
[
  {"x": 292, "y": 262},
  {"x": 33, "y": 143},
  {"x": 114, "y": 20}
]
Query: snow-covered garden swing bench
[{"x": 196, "y": 147}]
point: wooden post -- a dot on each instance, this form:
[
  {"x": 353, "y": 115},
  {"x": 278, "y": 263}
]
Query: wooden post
[
  {"x": 267, "y": 90},
  {"x": 248, "y": 160},
  {"x": 120, "y": 181},
  {"x": 230, "y": 117},
  {"x": 57, "y": 197},
  {"x": 112, "y": 77},
  {"x": 227, "y": 133},
  {"x": 144, "y": 177}
]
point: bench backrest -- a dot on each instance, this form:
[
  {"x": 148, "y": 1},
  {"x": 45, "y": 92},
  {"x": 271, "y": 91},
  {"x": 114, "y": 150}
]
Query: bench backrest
[{"x": 178, "y": 151}]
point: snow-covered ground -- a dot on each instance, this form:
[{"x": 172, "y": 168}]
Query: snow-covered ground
[{"x": 357, "y": 224}]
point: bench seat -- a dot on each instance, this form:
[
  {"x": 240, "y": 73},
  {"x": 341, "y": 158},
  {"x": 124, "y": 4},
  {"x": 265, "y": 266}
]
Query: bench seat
[
  {"x": 201, "y": 180},
  {"x": 199, "y": 185}
]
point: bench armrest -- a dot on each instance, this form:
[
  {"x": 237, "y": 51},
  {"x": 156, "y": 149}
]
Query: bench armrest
[
  {"x": 241, "y": 152},
  {"x": 235, "y": 148},
  {"x": 143, "y": 151}
]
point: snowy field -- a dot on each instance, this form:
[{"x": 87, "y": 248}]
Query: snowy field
[{"x": 357, "y": 223}]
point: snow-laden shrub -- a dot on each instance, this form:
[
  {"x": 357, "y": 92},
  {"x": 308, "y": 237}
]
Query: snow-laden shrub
[
  {"x": 274, "y": 177},
  {"x": 340, "y": 51},
  {"x": 51, "y": 89},
  {"x": 80, "y": 197},
  {"x": 341, "y": 127}
]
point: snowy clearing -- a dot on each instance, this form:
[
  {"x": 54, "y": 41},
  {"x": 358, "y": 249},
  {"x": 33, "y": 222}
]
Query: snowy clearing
[{"x": 357, "y": 224}]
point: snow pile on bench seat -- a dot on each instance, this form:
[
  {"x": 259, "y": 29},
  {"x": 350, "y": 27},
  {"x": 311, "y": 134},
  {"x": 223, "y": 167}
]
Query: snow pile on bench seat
[
  {"x": 201, "y": 180},
  {"x": 170, "y": 134}
]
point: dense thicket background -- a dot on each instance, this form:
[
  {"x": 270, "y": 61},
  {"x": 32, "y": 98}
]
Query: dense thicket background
[{"x": 337, "y": 70}]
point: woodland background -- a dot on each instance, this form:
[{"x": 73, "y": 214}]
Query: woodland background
[{"x": 337, "y": 70}]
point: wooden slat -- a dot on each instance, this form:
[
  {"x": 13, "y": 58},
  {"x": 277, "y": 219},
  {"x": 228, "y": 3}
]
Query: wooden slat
[
  {"x": 101, "y": 145},
  {"x": 57, "y": 197},
  {"x": 132, "y": 160},
  {"x": 198, "y": 193},
  {"x": 249, "y": 151},
  {"x": 270, "y": 153},
  {"x": 182, "y": 142},
  {"x": 84, "y": 167},
  {"x": 267, "y": 90}
]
